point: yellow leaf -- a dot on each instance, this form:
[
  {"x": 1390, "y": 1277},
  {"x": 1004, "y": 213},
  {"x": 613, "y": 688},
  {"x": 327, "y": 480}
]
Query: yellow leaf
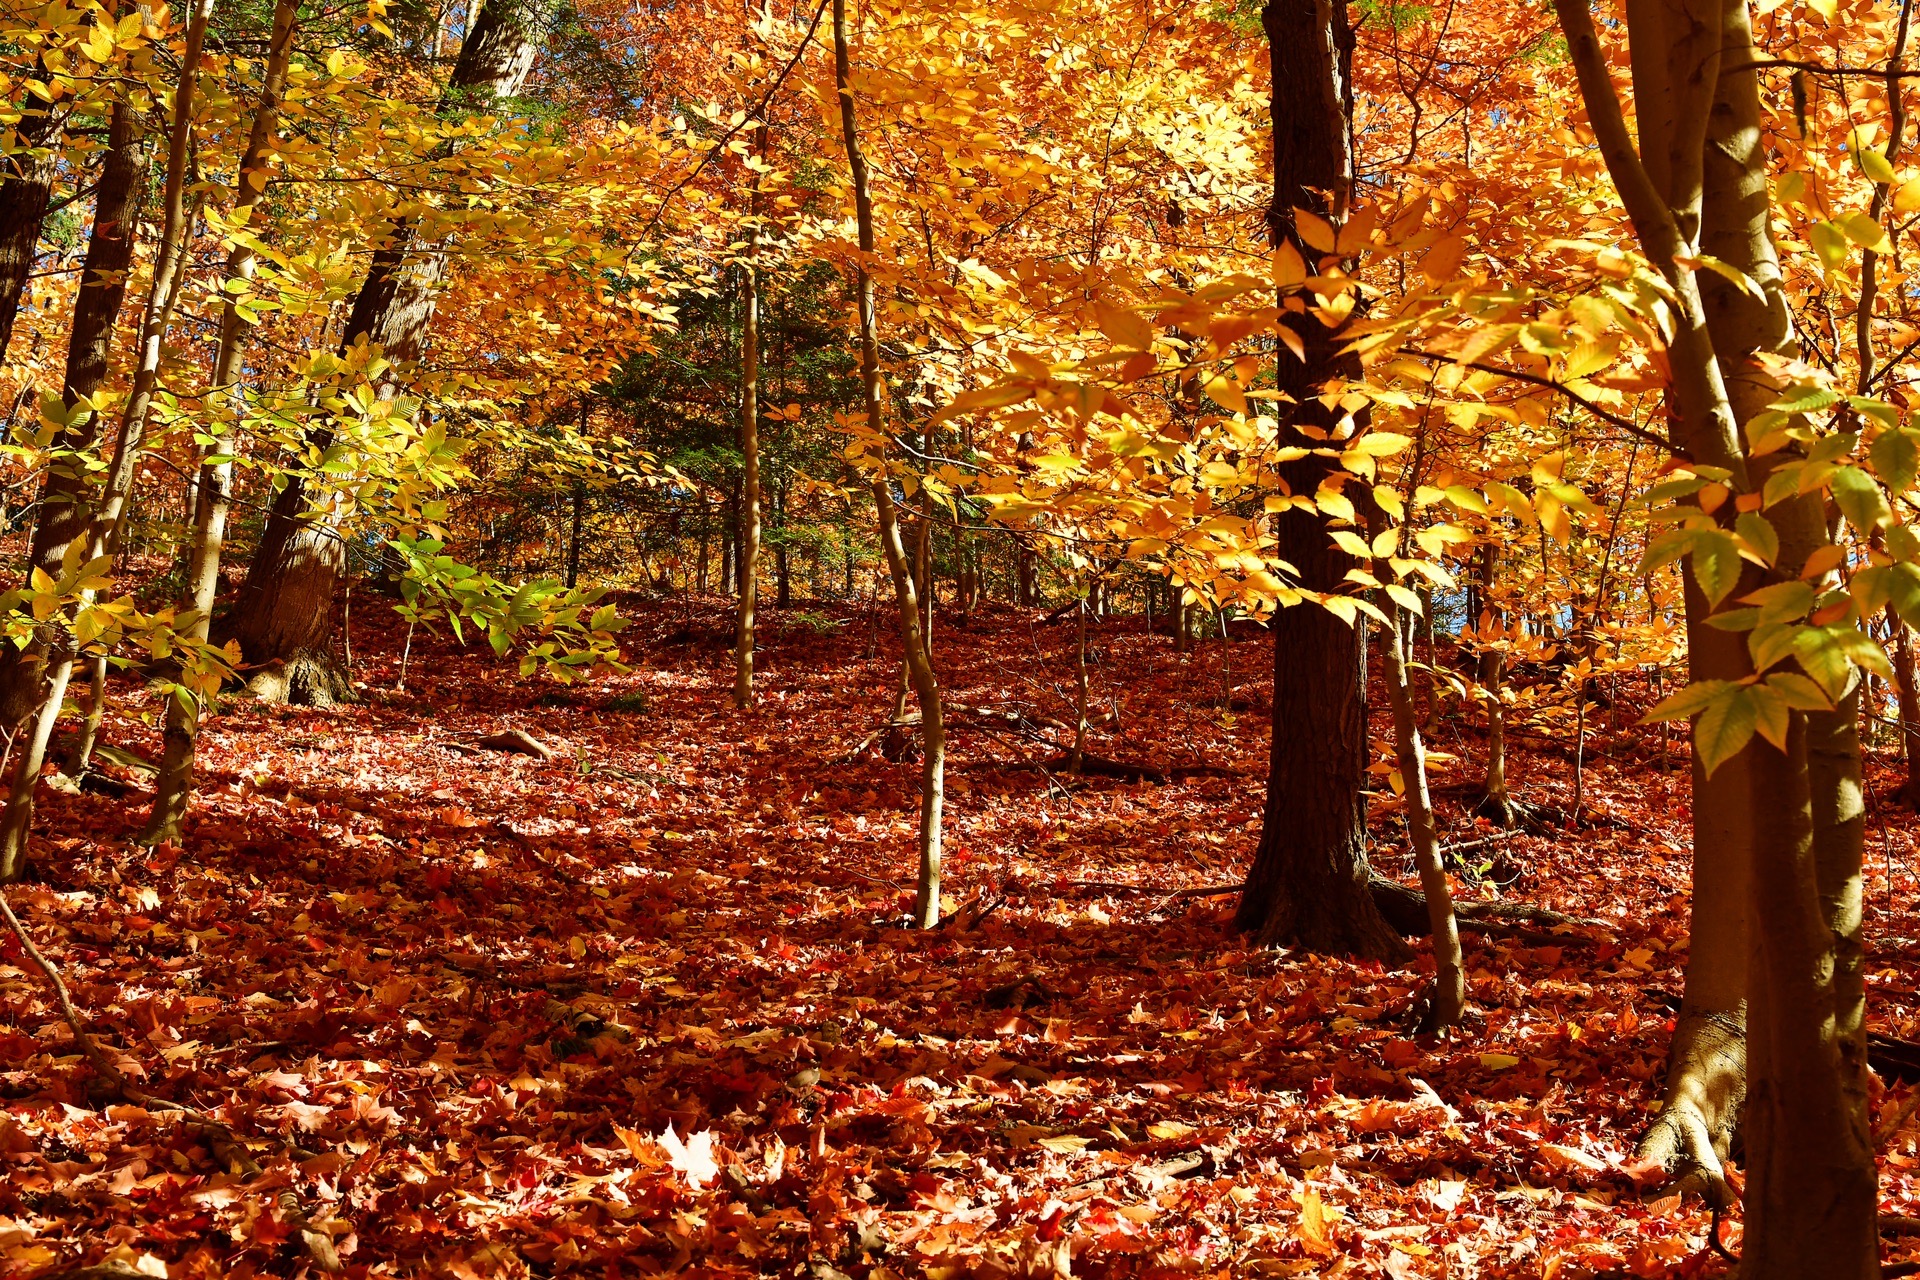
[
  {"x": 1907, "y": 198},
  {"x": 1066, "y": 1143},
  {"x": 1316, "y": 231},
  {"x": 1167, "y": 1130},
  {"x": 1125, "y": 329},
  {"x": 1498, "y": 1061},
  {"x": 1227, "y": 393},
  {"x": 1290, "y": 269},
  {"x": 1313, "y": 1223},
  {"x": 1443, "y": 259}
]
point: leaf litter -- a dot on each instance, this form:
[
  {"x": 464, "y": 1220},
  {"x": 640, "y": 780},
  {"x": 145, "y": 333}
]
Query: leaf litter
[{"x": 648, "y": 1006}]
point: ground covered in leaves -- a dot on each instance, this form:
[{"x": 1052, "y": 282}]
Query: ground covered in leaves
[{"x": 647, "y": 1007}]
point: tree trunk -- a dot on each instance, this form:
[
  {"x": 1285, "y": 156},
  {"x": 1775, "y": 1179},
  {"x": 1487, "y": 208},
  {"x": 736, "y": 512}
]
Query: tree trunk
[
  {"x": 1449, "y": 967},
  {"x": 1810, "y": 1191},
  {"x": 750, "y": 476},
  {"x": 1079, "y": 751},
  {"x": 576, "y": 533},
  {"x": 67, "y": 496},
  {"x": 103, "y": 523},
  {"x": 1496, "y": 804},
  {"x": 919, "y": 663},
  {"x": 1308, "y": 883},
  {"x": 1904, "y": 683},
  {"x": 1024, "y": 559},
  {"x": 392, "y": 310},
  {"x": 26, "y": 184},
  {"x": 706, "y": 542},
  {"x": 1810, "y": 1195}
]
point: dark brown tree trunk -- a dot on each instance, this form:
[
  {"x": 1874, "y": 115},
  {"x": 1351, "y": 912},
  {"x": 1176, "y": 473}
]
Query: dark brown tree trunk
[
  {"x": 66, "y": 508},
  {"x": 1308, "y": 884},
  {"x": 26, "y": 182},
  {"x": 576, "y": 533},
  {"x": 301, "y": 558}
]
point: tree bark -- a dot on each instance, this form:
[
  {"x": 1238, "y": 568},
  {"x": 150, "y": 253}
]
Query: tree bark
[
  {"x": 1909, "y": 691},
  {"x": 1698, "y": 184},
  {"x": 919, "y": 663},
  {"x": 749, "y": 457},
  {"x": 1449, "y": 966},
  {"x": 66, "y": 497},
  {"x": 1308, "y": 883},
  {"x": 1810, "y": 1199},
  {"x": 26, "y": 185},
  {"x": 103, "y": 523}
]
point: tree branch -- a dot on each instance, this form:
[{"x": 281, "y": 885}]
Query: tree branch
[{"x": 1625, "y": 424}]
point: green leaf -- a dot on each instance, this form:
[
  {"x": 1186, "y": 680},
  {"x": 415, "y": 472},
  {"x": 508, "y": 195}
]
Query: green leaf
[
  {"x": 1822, "y": 657},
  {"x": 1667, "y": 547},
  {"x": 1798, "y": 692},
  {"x": 1781, "y": 601},
  {"x": 1725, "y": 726},
  {"x": 1716, "y": 564},
  {"x": 1770, "y": 715},
  {"x": 1758, "y": 532},
  {"x": 1860, "y": 499},
  {"x": 1770, "y": 644},
  {"x": 1735, "y": 620},
  {"x": 1896, "y": 456},
  {"x": 1686, "y": 703}
]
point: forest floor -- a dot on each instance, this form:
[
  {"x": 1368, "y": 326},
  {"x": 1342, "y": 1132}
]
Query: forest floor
[{"x": 648, "y": 1006}]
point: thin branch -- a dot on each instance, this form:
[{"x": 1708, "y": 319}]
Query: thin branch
[
  {"x": 1625, "y": 424},
  {"x": 754, "y": 114}
]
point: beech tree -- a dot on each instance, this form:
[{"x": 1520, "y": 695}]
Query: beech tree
[
  {"x": 1772, "y": 814},
  {"x": 283, "y": 618}
]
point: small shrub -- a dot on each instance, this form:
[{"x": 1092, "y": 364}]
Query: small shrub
[{"x": 634, "y": 701}]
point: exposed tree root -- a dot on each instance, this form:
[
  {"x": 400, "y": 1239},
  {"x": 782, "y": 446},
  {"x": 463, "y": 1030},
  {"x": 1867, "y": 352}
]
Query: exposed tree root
[
  {"x": 220, "y": 1139},
  {"x": 1706, "y": 1090},
  {"x": 311, "y": 679},
  {"x": 1518, "y": 815}
]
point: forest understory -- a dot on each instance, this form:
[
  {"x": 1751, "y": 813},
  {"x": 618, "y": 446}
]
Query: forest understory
[{"x": 649, "y": 1006}]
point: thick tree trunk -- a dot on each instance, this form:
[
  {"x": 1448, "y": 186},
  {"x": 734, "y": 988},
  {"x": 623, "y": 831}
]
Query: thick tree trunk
[
  {"x": 26, "y": 184},
  {"x": 1810, "y": 1191},
  {"x": 1079, "y": 751},
  {"x": 393, "y": 309},
  {"x": 919, "y": 662},
  {"x": 283, "y": 618},
  {"x": 1308, "y": 884},
  {"x": 1810, "y": 1194},
  {"x": 1706, "y": 1087}
]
